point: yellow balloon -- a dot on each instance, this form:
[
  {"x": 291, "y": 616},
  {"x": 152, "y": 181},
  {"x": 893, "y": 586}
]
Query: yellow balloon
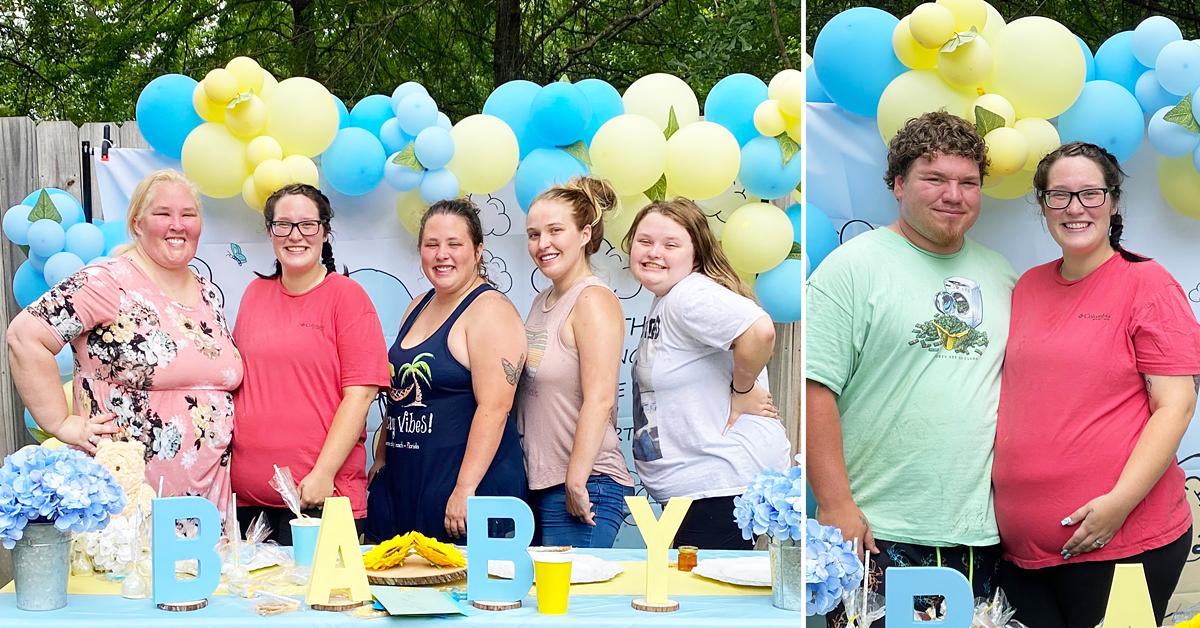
[
  {"x": 768, "y": 118},
  {"x": 724, "y": 204},
  {"x": 205, "y": 108},
  {"x": 1042, "y": 138},
  {"x": 268, "y": 86},
  {"x": 301, "y": 169},
  {"x": 301, "y": 116},
  {"x": 968, "y": 65},
  {"x": 247, "y": 118},
  {"x": 795, "y": 131},
  {"x": 654, "y": 95},
  {"x": 69, "y": 392},
  {"x": 996, "y": 104},
  {"x": 618, "y": 221},
  {"x": 485, "y": 154},
  {"x": 411, "y": 209},
  {"x": 1010, "y": 187},
  {"x": 916, "y": 92},
  {"x": 967, "y": 14},
  {"x": 702, "y": 160},
  {"x": 262, "y": 148},
  {"x": 269, "y": 176},
  {"x": 629, "y": 151},
  {"x": 214, "y": 160},
  {"x": 248, "y": 74},
  {"x": 909, "y": 51},
  {"x": 252, "y": 197},
  {"x": 748, "y": 278},
  {"x": 787, "y": 89},
  {"x": 757, "y": 237},
  {"x": 1007, "y": 151},
  {"x": 1180, "y": 184},
  {"x": 932, "y": 25},
  {"x": 220, "y": 85},
  {"x": 1041, "y": 44},
  {"x": 993, "y": 26}
]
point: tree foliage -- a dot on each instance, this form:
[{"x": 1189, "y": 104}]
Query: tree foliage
[{"x": 88, "y": 60}]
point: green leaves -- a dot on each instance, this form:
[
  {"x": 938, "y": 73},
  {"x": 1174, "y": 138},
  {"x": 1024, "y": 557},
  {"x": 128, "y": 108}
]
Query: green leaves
[
  {"x": 960, "y": 39},
  {"x": 987, "y": 121},
  {"x": 795, "y": 252},
  {"x": 1182, "y": 115},
  {"x": 579, "y": 151},
  {"x": 408, "y": 157},
  {"x": 658, "y": 191},
  {"x": 44, "y": 208},
  {"x": 672, "y": 123},
  {"x": 787, "y": 146}
]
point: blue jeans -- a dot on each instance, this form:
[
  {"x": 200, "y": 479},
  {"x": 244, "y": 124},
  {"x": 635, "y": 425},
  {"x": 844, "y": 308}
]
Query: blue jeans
[{"x": 556, "y": 526}]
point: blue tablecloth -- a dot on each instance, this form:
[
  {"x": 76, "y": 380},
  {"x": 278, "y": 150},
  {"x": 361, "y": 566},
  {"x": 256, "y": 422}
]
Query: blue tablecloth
[{"x": 96, "y": 611}]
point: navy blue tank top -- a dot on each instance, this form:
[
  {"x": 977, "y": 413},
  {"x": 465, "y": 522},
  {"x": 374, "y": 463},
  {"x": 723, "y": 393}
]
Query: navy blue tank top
[{"x": 430, "y": 410}]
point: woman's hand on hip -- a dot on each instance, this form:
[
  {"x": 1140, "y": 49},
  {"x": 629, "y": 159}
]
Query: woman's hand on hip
[
  {"x": 86, "y": 433},
  {"x": 579, "y": 503},
  {"x": 756, "y": 401},
  {"x": 1097, "y": 521}
]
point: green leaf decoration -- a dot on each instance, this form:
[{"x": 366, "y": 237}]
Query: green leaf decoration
[
  {"x": 239, "y": 99},
  {"x": 987, "y": 121},
  {"x": 579, "y": 151},
  {"x": 563, "y": 78},
  {"x": 795, "y": 252},
  {"x": 1182, "y": 115},
  {"x": 960, "y": 39},
  {"x": 24, "y": 249},
  {"x": 787, "y": 146},
  {"x": 408, "y": 157},
  {"x": 44, "y": 208},
  {"x": 672, "y": 123},
  {"x": 658, "y": 192}
]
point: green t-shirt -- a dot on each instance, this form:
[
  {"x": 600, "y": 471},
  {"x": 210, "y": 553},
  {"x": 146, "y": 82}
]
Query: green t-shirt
[{"x": 912, "y": 343}]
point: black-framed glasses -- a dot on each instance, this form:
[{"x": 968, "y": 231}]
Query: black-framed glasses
[
  {"x": 1061, "y": 199},
  {"x": 283, "y": 228}
]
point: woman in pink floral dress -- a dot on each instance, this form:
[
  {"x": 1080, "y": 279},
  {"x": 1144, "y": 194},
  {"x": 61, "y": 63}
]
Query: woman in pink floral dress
[{"x": 155, "y": 361}]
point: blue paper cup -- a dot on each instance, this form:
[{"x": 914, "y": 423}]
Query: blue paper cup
[{"x": 304, "y": 539}]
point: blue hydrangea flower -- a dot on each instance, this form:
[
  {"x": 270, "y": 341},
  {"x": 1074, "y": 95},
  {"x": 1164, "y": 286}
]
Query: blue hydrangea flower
[
  {"x": 831, "y": 567},
  {"x": 771, "y": 505},
  {"x": 63, "y": 486}
]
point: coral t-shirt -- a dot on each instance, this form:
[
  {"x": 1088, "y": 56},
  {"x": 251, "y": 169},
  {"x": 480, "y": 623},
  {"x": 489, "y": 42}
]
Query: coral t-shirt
[
  {"x": 300, "y": 350},
  {"x": 1073, "y": 404}
]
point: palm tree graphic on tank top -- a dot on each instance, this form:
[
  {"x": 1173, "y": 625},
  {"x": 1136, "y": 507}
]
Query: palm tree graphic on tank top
[{"x": 417, "y": 371}]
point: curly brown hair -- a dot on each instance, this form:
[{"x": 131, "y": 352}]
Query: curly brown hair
[{"x": 934, "y": 133}]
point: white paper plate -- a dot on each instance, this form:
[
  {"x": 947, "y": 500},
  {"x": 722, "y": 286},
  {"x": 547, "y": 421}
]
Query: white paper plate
[
  {"x": 584, "y": 567},
  {"x": 751, "y": 571}
]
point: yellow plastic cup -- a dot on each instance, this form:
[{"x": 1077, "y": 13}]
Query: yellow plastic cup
[{"x": 552, "y": 577}]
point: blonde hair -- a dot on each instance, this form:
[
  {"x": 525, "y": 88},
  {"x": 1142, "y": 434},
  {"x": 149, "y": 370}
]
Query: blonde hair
[
  {"x": 588, "y": 198},
  {"x": 143, "y": 196},
  {"x": 710, "y": 259}
]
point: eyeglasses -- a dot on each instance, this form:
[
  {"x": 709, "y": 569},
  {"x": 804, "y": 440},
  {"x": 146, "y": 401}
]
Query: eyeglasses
[
  {"x": 283, "y": 228},
  {"x": 1061, "y": 199}
]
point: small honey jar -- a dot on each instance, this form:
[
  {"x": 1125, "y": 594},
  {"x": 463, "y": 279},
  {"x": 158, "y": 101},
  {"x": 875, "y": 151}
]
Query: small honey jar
[{"x": 687, "y": 557}]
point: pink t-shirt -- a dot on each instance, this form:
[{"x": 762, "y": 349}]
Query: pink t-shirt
[
  {"x": 300, "y": 350},
  {"x": 1073, "y": 404}
]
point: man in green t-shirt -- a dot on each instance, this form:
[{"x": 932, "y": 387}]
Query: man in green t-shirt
[{"x": 906, "y": 331}]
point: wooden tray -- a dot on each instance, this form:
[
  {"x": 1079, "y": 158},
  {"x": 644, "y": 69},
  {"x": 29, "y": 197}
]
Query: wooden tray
[{"x": 416, "y": 572}]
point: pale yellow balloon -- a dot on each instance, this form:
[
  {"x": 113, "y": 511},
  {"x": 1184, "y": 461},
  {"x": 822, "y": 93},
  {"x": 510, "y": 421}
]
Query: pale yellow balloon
[
  {"x": 69, "y": 393},
  {"x": 968, "y": 65},
  {"x": 768, "y": 119},
  {"x": 220, "y": 85},
  {"x": 485, "y": 154},
  {"x": 301, "y": 169},
  {"x": 654, "y": 95},
  {"x": 1007, "y": 151},
  {"x": 214, "y": 160},
  {"x": 757, "y": 237},
  {"x": 916, "y": 92},
  {"x": 205, "y": 108},
  {"x": 1180, "y": 184},
  {"x": 1042, "y": 138},
  {"x": 630, "y": 152},
  {"x": 996, "y": 104},
  {"x": 618, "y": 221},
  {"x": 1038, "y": 66},
  {"x": 909, "y": 51},
  {"x": 747, "y": 278},
  {"x": 269, "y": 176},
  {"x": 411, "y": 209},
  {"x": 787, "y": 89},
  {"x": 932, "y": 25},
  {"x": 301, "y": 116},
  {"x": 967, "y": 14},
  {"x": 268, "y": 86},
  {"x": 260, "y": 149},
  {"x": 724, "y": 204},
  {"x": 247, "y": 118},
  {"x": 248, "y": 73},
  {"x": 995, "y": 23},
  {"x": 795, "y": 131},
  {"x": 702, "y": 160},
  {"x": 251, "y": 196},
  {"x": 1007, "y": 188}
]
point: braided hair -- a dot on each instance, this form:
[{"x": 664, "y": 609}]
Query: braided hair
[{"x": 324, "y": 216}]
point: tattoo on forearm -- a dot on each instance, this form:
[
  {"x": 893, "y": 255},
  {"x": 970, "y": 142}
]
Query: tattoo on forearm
[{"x": 512, "y": 373}]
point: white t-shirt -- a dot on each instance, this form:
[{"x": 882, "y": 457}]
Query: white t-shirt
[{"x": 681, "y": 391}]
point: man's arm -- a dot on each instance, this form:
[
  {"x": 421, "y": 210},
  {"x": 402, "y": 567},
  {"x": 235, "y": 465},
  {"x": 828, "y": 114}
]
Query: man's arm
[{"x": 825, "y": 465}]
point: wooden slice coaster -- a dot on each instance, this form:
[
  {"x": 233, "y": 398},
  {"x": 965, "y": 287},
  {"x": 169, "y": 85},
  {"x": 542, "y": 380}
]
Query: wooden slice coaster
[
  {"x": 495, "y": 606},
  {"x": 339, "y": 602},
  {"x": 642, "y": 605},
  {"x": 416, "y": 572},
  {"x": 182, "y": 607}
]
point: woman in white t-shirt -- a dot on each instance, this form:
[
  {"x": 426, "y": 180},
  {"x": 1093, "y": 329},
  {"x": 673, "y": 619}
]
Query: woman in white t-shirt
[{"x": 704, "y": 421}]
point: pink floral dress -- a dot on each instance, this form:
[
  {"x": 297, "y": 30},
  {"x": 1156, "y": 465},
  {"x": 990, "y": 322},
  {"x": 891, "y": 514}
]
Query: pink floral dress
[{"x": 164, "y": 369}]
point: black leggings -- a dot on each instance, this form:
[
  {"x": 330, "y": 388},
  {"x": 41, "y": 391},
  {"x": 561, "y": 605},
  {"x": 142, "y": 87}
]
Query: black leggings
[
  {"x": 1075, "y": 595},
  {"x": 709, "y": 524}
]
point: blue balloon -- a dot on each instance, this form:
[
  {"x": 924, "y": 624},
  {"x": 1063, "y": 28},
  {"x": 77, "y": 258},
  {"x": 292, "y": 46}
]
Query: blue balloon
[
  {"x": 343, "y": 112},
  {"x": 404, "y": 90},
  {"x": 1115, "y": 61},
  {"x": 1178, "y": 67},
  {"x": 46, "y": 237},
  {"x": 1151, "y": 36},
  {"x": 763, "y": 172},
  {"x": 65, "y": 360},
  {"x": 855, "y": 59},
  {"x": 416, "y": 112},
  {"x": 434, "y": 147},
  {"x": 1168, "y": 138},
  {"x": 443, "y": 121},
  {"x": 731, "y": 104},
  {"x": 1089, "y": 61},
  {"x": 401, "y": 178},
  {"x": 1105, "y": 114},
  {"x": 68, "y": 206},
  {"x": 1151, "y": 95},
  {"x": 37, "y": 261},
  {"x": 353, "y": 163},
  {"x": 779, "y": 291},
  {"x": 16, "y": 223},
  {"x": 795, "y": 214},
  {"x": 60, "y": 266},
  {"x": 393, "y": 137},
  {"x": 114, "y": 235},
  {"x": 32, "y": 198},
  {"x": 560, "y": 113},
  {"x": 28, "y": 284},
  {"x": 822, "y": 238},
  {"x": 438, "y": 185},
  {"x": 813, "y": 90},
  {"x": 606, "y": 104},
  {"x": 165, "y": 114},
  {"x": 542, "y": 169},
  {"x": 371, "y": 112},
  {"x": 85, "y": 240},
  {"x": 510, "y": 102}
]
